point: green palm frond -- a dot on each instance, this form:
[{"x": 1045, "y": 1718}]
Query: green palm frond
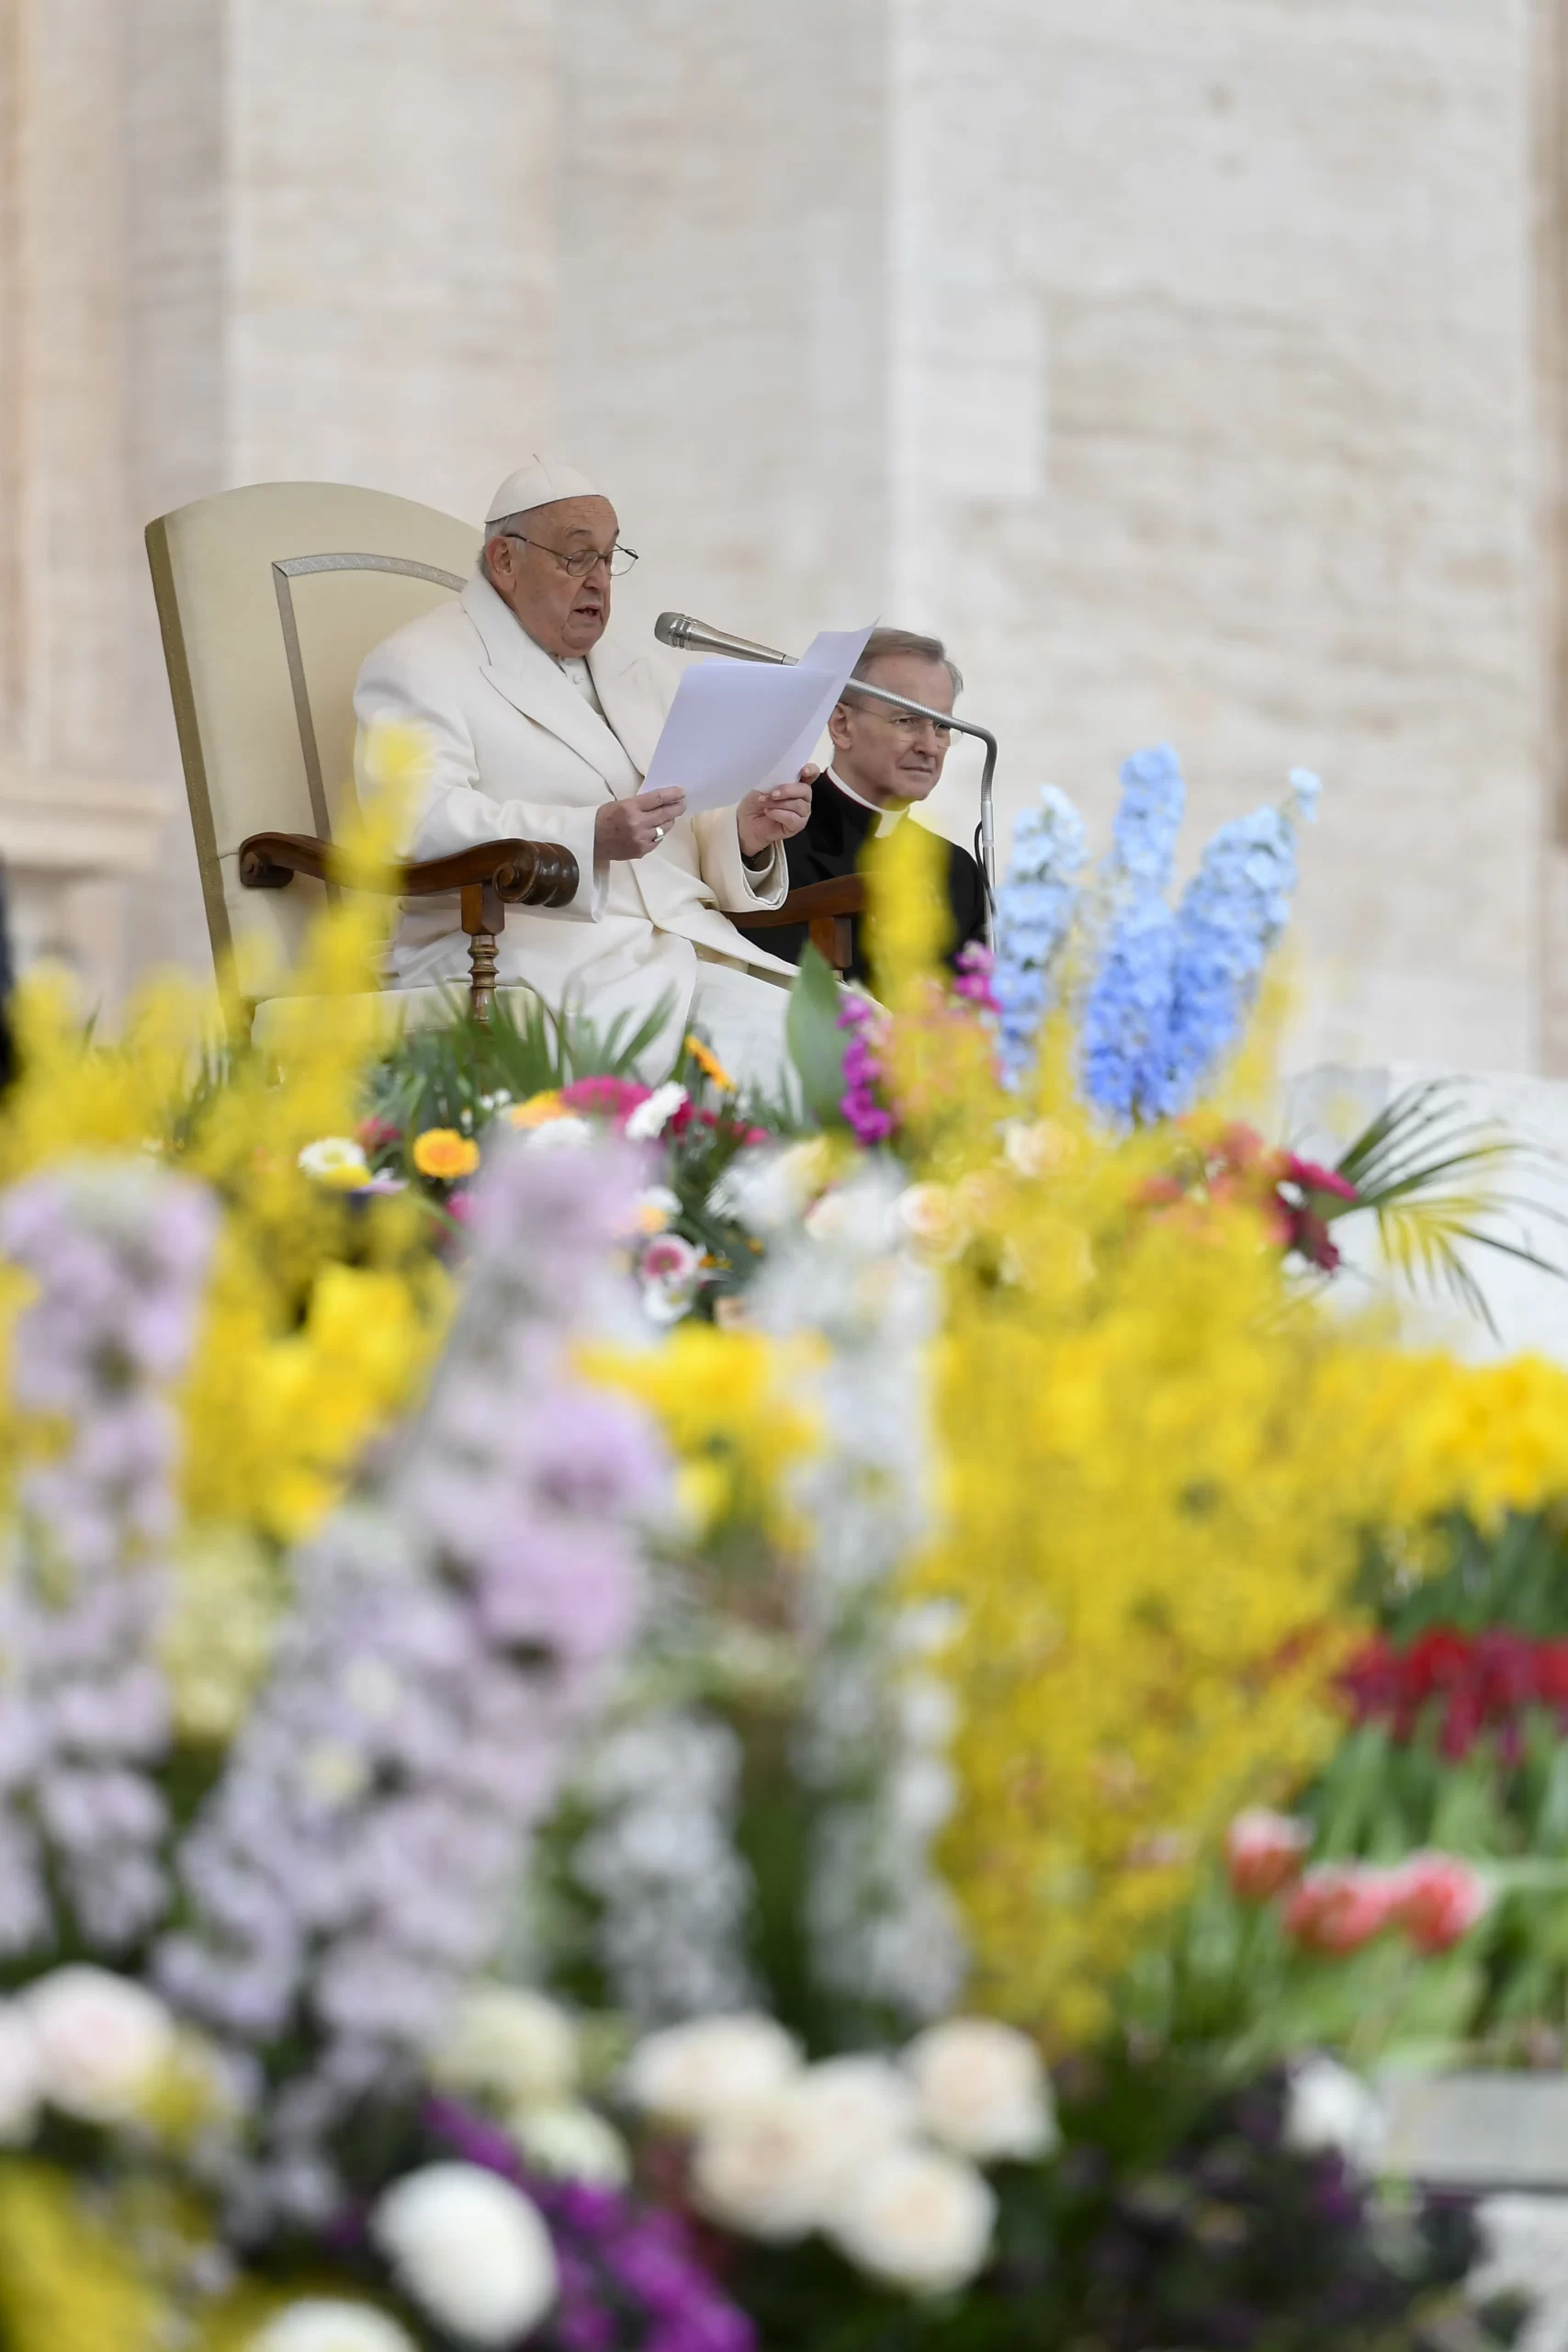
[{"x": 1435, "y": 1178}]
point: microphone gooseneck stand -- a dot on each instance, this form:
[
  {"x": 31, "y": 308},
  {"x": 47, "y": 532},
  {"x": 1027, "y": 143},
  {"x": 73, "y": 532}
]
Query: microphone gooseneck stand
[{"x": 689, "y": 636}]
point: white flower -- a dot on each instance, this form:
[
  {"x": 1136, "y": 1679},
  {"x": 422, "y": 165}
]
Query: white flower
[
  {"x": 560, "y": 1134},
  {"x": 766, "y": 1189},
  {"x": 1525, "y": 2252},
  {"x": 19, "y": 2083},
  {"x": 699, "y": 2073},
  {"x": 650, "y": 1119},
  {"x": 320, "y": 2323},
  {"x": 1331, "y": 2108},
  {"x": 101, "y": 2041},
  {"x": 569, "y": 2142},
  {"x": 918, "y": 2219},
  {"x": 931, "y": 1220},
  {"x": 468, "y": 2247},
  {"x": 653, "y": 1208},
  {"x": 783, "y": 2167},
  {"x": 509, "y": 2044},
  {"x": 981, "y": 2089},
  {"x": 1035, "y": 1150},
  {"x": 336, "y": 1161}
]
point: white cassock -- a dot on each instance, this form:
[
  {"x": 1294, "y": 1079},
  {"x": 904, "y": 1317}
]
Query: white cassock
[{"x": 517, "y": 747}]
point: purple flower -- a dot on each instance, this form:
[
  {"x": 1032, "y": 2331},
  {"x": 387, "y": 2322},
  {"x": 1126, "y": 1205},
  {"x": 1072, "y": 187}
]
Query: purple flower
[
  {"x": 354, "y": 1867},
  {"x": 120, "y": 1254}
]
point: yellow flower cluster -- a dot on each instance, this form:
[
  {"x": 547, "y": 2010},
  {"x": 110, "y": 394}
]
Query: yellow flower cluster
[
  {"x": 724, "y": 1401},
  {"x": 66, "y": 2283},
  {"x": 1158, "y": 1457}
]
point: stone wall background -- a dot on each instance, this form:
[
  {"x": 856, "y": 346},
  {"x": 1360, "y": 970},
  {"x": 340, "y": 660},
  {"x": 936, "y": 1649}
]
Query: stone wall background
[{"x": 1192, "y": 365}]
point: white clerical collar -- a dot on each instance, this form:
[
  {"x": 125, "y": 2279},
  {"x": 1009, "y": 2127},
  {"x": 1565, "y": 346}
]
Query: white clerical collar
[{"x": 889, "y": 816}]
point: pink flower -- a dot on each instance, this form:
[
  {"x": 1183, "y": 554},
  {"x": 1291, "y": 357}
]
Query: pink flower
[
  {"x": 1438, "y": 1900},
  {"x": 669, "y": 1259},
  {"x": 605, "y": 1098},
  {"x": 1340, "y": 1906},
  {"x": 1312, "y": 1177},
  {"x": 1264, "y": 1851}
]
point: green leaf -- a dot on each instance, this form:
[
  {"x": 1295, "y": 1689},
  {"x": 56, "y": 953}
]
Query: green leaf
[{"x": 816, "y": 1041}]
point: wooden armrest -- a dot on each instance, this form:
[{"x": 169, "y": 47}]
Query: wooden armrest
[
  {"x": 844, "y": 895},
  {"x": 523, "y": 873},
  {"x": 826, "y": 908}
]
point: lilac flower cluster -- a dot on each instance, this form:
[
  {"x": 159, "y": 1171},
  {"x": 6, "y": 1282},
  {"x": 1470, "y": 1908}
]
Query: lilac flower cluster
[
  {"x": 1035, "y": 908},
  {"x": 630, "y": 2279},
  {"x": 869, "y": 1119},
  {"x": 354, "y": 1865},
  {"x": 119, "y": 1253},
  {"x": 1126, "y": 1013}
]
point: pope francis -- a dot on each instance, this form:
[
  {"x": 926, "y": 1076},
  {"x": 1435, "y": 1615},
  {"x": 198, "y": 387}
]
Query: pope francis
[{"x": 539, "y": 725}]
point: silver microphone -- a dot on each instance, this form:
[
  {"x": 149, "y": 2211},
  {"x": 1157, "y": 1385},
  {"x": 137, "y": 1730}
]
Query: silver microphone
[{"x": 689, "y": 636}]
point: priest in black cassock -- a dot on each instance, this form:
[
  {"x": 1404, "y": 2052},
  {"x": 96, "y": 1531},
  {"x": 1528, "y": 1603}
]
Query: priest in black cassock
[{"x": 884, "y": 759}]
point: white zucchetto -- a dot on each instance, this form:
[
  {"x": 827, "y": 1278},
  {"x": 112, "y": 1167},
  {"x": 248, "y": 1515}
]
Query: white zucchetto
[{"x": 538, "y": 483}]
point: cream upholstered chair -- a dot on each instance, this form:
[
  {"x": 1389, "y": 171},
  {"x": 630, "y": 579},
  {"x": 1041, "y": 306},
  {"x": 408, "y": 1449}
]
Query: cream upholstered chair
[{"x": 269, "y": 600}]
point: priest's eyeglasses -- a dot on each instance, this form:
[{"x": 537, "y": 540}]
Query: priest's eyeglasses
[
  {"x": 617, "y": 560},
  {"x": 908, "y": 723}
]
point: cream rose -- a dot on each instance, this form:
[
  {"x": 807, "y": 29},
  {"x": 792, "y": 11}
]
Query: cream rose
[
  {"x": 510, "y": 2045},
  {"x": 101, "y": 2041},
  {"x": 320, "y": 2323},
  {"x": 700, "y": 2074},
  {"x": 20, "y": 2085},
  {"x": 572, "y": 2142},
  {"x": 918, "y": 2219},
  {"x": 780, "y": 2169},
  {"x": 981, "y": 2089},
  {"x": 470, "y": 2249}
]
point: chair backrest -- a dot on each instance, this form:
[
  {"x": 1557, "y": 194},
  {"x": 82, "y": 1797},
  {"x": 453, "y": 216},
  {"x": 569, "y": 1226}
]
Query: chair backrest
[{"x": 269, "y": 600}]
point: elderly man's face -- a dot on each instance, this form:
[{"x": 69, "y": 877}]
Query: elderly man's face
[
  {"x": 886, "y": 754},
  {"x": 560, "y": 612}
]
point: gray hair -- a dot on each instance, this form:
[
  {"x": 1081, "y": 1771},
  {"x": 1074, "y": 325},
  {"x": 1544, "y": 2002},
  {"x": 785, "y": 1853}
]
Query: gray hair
[
  {"x": 499, "y": 529},
  {"x": 883, "y": 643}
]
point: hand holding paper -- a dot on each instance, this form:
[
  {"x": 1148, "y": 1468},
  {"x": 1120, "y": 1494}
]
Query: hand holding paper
[{"x": 738, "y": 726}]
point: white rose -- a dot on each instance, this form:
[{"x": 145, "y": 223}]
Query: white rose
[
  {"x": 981, "y": 2089},
  {"x": 715, "y": 2067},
  {"x": 569, "y": 2142},
  {"x": 782, "y": 2167},
  {"x": 510, "y": 2045},
  {"x": 918, "y": 2219},
  {"x": 101, "y": 2041},
  {"x": 317, "y": 2323},
  {"x": 650, "y": 1119},
  {"x": 1329, "y": 2108},
  {"x": 19, "y": 2075},
  {"x": 468, "y": 2247}
]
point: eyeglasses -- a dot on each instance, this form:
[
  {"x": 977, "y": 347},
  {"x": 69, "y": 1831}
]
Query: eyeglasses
[
  {"x": 905, "y": 723},
  {"x": 617, "y": 562}
]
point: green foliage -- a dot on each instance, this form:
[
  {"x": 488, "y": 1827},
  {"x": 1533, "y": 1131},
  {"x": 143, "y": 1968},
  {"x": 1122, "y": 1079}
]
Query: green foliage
[
  {"x": 1428, "y": 1171},
  {"x": 816, "y": 1041}
]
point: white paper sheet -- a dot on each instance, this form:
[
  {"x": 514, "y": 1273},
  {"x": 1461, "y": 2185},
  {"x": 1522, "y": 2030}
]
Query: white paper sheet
[{"x": 738, "y": 726}]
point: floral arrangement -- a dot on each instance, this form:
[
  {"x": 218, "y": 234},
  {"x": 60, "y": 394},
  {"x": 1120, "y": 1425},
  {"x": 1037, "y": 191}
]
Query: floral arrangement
[{"x": 598, "y": 1674}]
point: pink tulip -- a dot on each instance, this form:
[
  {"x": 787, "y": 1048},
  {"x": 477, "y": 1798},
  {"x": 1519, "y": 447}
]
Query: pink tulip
[
  {"x": 1337, "y": 1908},
  {"x": 1264, "y": 1851},
  {"x": 1438, "y": 1900}
]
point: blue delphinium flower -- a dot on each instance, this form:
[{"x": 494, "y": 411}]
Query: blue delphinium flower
[
  {"x": 1232, "y": 913},
  {"x": 1035, "y": 907},
  {"x": 1124, "y": 1042}
]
